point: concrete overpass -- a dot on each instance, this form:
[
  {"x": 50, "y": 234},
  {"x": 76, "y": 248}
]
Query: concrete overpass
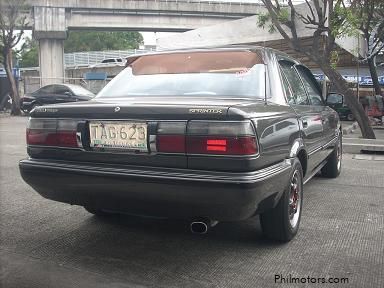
[
  {"x": 51, "y": 20},
  {"x": 246, "y": 31}
]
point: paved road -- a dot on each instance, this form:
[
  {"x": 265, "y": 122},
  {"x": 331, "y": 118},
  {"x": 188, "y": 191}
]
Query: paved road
[{"x": 49, "y": 244}]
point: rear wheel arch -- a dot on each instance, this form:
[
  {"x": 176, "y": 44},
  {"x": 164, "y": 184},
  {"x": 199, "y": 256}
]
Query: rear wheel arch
[{"x": 298, "y": 150}]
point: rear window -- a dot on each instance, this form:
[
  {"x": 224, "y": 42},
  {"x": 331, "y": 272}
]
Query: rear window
[
  {"x": 227, "y": 73},
  {"x": 78, "y": 90}
]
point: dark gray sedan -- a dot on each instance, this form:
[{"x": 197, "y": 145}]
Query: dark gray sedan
[
  {"x": 205, "y": 135},
  {"x": 55, "y": 93}
]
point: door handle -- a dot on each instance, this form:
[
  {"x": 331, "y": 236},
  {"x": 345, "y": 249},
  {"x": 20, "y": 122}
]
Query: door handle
[{"x": 305, "y": 123}]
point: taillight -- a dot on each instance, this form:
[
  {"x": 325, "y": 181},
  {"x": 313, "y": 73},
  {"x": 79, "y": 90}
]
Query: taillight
[
  {"x": 52, "y": 132},
  {"x": 171, "y": 137},
  {"x": 241, "y": 145},
  {"x": 207, "y": 137},
  {"x": 171, "y": 143}
]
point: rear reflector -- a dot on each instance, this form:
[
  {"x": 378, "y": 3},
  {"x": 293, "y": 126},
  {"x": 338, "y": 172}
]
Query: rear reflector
[{"x": 52, "y": 132}]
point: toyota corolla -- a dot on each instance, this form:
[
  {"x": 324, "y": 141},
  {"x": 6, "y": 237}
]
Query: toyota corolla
[{"x": 204, "y": 135}]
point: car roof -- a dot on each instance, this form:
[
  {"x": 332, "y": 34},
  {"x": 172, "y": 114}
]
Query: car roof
[{"x": 64, "y": 84}]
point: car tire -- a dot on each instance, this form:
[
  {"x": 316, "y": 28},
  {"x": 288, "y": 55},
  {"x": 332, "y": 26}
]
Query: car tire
[
  {"x": 96, "y": 211},
  {"x": 333, "y": 167},
  {"x": 281, "y": 223},
  {"x": 350, "y": 117}
]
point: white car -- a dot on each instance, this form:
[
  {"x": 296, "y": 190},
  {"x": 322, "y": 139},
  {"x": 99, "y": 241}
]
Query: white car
[{"x": 110, "y": 62}]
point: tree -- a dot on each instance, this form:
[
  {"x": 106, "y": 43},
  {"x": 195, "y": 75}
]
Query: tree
[
  {"x": 79, "y": 41},
  {"x": 10, "y": 20},
  {"x": 367, "y": 16},
  {"x": 327, "y": 24},
  {"x": 29, "y": 55}
]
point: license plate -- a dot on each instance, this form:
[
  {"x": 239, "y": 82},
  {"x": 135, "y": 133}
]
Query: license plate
[{"x": 118, "y": 135}]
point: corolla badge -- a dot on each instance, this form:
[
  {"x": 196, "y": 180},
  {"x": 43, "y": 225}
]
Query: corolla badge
[{"x": 117, "y": 109}]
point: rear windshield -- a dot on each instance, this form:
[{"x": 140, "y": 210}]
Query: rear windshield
[
  {"x": 229, "y": 73},
  {"x": 78, "y": 90}
]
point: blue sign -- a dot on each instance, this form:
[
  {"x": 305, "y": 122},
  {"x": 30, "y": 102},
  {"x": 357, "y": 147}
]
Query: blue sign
[
  {"x": 95, "y": 76},
  {"x": 16, "y": 73}
]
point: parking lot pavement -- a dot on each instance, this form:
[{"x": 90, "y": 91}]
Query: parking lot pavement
[{"x": 49, "y": 244}]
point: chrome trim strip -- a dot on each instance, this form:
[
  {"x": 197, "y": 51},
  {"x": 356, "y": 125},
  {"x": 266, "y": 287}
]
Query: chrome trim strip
[
  {"x": 322, "y": 164},
  {"x": 78, "y": 139},
  {"x": 332, "y": 141},
  {"x": 165, "y": 173},
  {"x": 315, "y": 150},
  {"x": 152, "y": 144},
  {"x": 322, "y": 147},
  {"x": 54, "y": 147}
]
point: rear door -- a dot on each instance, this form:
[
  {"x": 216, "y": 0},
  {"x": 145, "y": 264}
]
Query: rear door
[
  {"x": 310, "y": 117},
  {"x": 328, "y": 115}
]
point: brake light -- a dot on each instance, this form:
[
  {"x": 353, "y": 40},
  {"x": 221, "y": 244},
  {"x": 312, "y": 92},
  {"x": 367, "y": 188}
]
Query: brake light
[
  {"x": 52, "y": 132},
  {"x": 242, "y": 145}
]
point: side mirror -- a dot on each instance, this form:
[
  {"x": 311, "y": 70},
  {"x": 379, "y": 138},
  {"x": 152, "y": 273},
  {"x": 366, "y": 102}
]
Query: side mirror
[
  {"x": 335, "y": 99},
  {"x": 69, "y": 94}
]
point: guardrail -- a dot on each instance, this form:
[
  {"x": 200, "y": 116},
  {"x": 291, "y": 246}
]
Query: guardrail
[
  {"x": 230, "y": 2},
  {"x": 77, "y": 59}
]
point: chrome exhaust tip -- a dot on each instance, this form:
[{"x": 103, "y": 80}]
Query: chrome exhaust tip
[
  {"x": 202, "y": 225},
  {"x": 199, "y": 227}
]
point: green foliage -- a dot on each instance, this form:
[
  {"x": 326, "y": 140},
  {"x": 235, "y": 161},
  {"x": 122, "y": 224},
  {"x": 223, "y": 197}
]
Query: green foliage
[
  {"x": 344, "y": 22},
  {"x": 29, "y": 54},
  {"x": 79, "y": 41},
  {"x": 263, "y": 20},
  {"x": 334, "y": 59},
  {"x": 283, "y": 15}
]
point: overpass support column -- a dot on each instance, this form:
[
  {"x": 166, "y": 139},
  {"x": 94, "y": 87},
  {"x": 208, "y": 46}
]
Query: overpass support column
[{"x": 51, "y": 31}]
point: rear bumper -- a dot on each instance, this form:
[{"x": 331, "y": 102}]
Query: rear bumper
[{"x": 163, "y": 192}]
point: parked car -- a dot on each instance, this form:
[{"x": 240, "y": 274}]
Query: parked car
[
  {"x": 52, "y": 94},
  {"x": 336, "y": 102},
  {"x": 185, "y": 134},
  {"x": 110, "y": 62}
]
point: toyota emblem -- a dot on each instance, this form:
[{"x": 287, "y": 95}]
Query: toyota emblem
[{"x": 117, "y": 109}]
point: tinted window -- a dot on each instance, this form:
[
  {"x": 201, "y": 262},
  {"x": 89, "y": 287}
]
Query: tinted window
[
  {"x": 299, "y": 94},
  {"x": 45, "y": 90},
  {"x": 232, "y": 74},
  {"x": 108, "y": 61},
  {"x": 60, "y": 89},
  {"x": 335, "y": 99},
  {"x": 282, "y": 125},
  {"x": 267, "y": 132},
  {"x": 311, "y": 85},
  {"x": 80, "y": 91},
  {"x": 288, "y": 91}
]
